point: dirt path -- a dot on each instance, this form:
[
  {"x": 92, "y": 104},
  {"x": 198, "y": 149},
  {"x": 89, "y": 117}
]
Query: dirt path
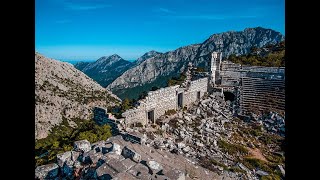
[{"x": 256, "y": 153}]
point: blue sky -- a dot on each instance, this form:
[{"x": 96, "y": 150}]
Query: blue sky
[{"x": 89, "y": 29}]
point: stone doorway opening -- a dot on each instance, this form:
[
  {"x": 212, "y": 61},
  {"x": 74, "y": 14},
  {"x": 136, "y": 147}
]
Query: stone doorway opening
[
  {"x": 180, "y": 100},
  {"x": 198, "y": 95},
  {"x": 229, "y": 96},
  {"x": 150, "y": 115}
]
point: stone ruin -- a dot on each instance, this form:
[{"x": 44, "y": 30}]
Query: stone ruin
[
  {"x": 255, "y": 89},
  {"x": 170, "y": 98},
  {"x": 116, "y": 158}
]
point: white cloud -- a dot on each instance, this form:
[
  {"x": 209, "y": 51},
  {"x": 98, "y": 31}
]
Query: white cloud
[{"x": 83, "y": 7}]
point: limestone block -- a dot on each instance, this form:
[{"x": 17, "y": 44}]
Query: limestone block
[
  {"x": 82, "y": 146},
  {"x": 48, "y": 171}
]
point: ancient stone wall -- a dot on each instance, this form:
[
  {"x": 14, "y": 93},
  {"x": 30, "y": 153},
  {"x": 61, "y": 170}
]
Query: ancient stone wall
[
  {"x": 200, "y": 85},
  {"x": 162, "y": 100},
  {"x": 165, "y": 99},
  {"x": 136, "y": 115}
]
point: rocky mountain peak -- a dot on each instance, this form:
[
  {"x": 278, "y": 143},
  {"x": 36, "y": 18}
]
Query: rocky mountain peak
[
  {"x": 105, "y": 69},
  {"x": 110, "y": 59},
  {"x": 146, "y": 56},
  {"x": 154, "y": 72}
]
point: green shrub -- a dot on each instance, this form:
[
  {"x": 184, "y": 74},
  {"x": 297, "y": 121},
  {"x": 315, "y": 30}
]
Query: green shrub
[
  {"x": 253, "y": 163},
  {"x": 88, "y": 135},
  {"x": 236, "y": 169},
  {"x": 62, "y": 137},
  {"x": 139, "y": 124},
  {"x": 231, "y": 149},
  {"x": 170, "y": 112},
  {"x": 275, "y": 57},
  {"x": 271, "y": 177},
  {"x": 199, "y": 69}
]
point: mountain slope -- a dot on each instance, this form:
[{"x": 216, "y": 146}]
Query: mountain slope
[
  {"x": 156, "y": 70},
  {"x": 63, "y": 91},
  {"x": 145, "y": 56},
  {"x": 105, "y": 69},
  {"x": 81, "y": 65}
]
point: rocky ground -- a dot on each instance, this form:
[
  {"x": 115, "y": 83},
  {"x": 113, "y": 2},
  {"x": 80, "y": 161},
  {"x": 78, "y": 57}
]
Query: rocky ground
[
  {"x": 203, "y": 142},
  {"x": 122, "y": 160},
  {"x": 209, "y": 134}
]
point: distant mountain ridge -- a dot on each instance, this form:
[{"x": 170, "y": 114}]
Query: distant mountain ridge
[
  {"x": 105, "y": 69},
  {"x": 156, "y": 70}
]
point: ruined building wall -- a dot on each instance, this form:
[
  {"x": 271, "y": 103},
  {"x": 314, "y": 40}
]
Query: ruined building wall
[
  {"x": 136, "y": 115},
  {"x": 162, "y": 100},
  {"x": 190, "y": 95},
  {"x": 165, "y": 99},
  {"x": 159, "y": 101}
]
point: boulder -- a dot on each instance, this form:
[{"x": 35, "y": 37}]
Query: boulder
[
  {"x": 282, "y": 170},
  {"x": 63, "y": 158},
  {"x": 116, "y": 148},
  {"x": 118, "y": 166},
  {"x": 181, "y": 145},
  {"x": 102, "y": 146},
  {"x": 262, "y": 173},
  {"x": 154, "y": 166},
  {"x": 128, "y": 163},
  {"x": 140, "y": 171},
  {"x": 91, "y": 157},
  {"x": 129, "y": 153},
  {"x": 48, "y": 171},
  {"x": 124, "y": 176},
  {"x": 186, "y": 149},
  {"x": 88, "y": 173},
  {"x": 74, "y": 155},
  {"x": 113, "y": 155},
  {"x": 82, "y": 146},
  {"x": 105, "y": 172},
  {"x": 187, "y": 118},
  {"x": 175, "y": 174},
  {"x": 199, "y": 144},
  {"x": 198, "y": 111},
  {"x": 67, "y": 171}
]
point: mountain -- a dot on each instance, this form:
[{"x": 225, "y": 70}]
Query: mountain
[
  {"x": 105, "y": 69},
  {"x": 270, "y": 55},
  {"x": 155, "y": 71},
  {"x": 81, "y": 65},
  {"x": 63, "y": 92},
  {"x": 147, "y": 55}
]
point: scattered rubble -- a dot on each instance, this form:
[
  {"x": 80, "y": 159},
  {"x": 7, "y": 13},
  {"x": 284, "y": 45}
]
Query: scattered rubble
[
  {"x": 135, "y": 161},
  {"x": 195, "y": 134},
  {"x": 187, "y": 145}
]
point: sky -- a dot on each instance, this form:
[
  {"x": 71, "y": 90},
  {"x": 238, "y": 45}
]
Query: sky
[{"x": 89, "y": 29}]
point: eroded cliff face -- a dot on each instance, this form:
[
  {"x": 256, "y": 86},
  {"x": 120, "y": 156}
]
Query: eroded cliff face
[
  {"x": 63, "y": 91},
  {"x": 150, "y": 71}
]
